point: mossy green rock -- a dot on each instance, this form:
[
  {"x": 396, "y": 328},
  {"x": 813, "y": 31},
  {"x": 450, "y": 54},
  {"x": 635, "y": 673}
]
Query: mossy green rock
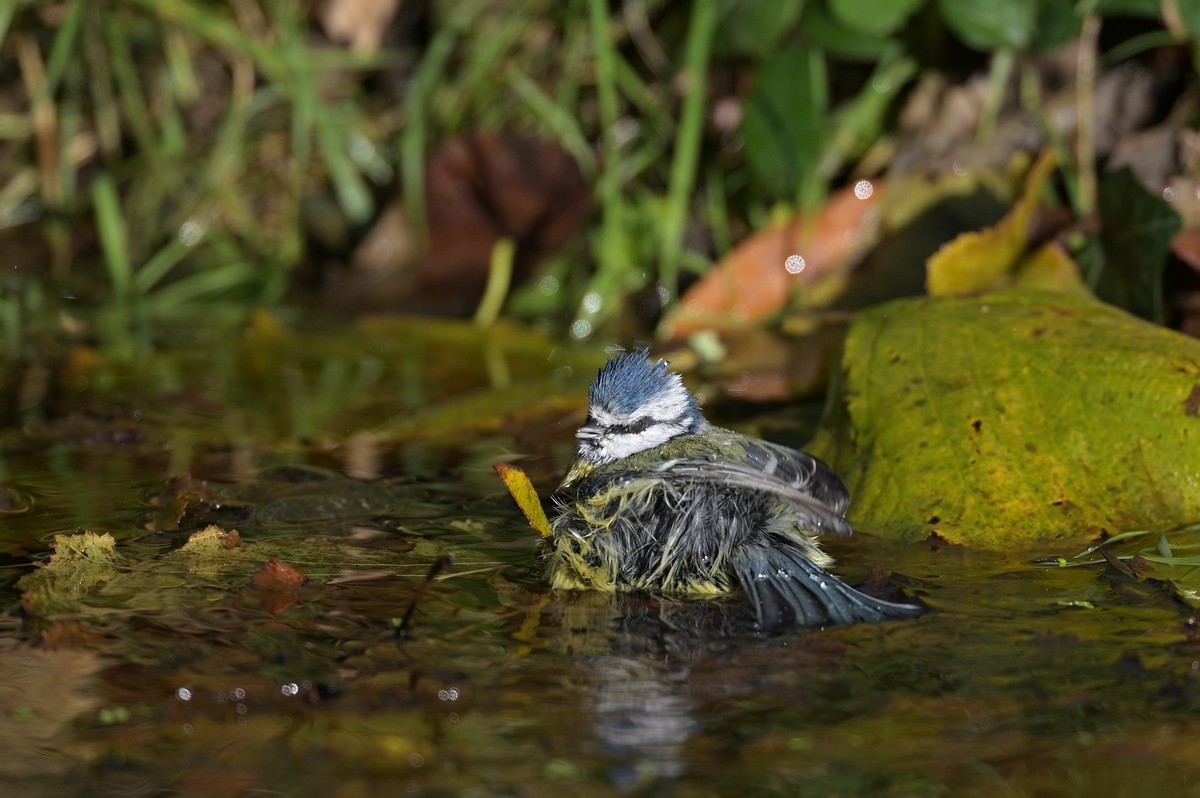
[{"x": 1012, "y": 419}]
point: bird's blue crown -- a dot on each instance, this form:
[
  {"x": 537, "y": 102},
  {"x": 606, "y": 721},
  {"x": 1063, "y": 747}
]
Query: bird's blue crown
[{"x": 631, "y": 380}]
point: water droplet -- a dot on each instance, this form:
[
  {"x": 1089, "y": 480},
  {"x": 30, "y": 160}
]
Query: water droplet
[
  {"x": 1168, "y": 194},
  {"x": 794, "y": 264},
  {"x": 581, "y": 329},
  {"x": 863, "y": 189},
  {"x": 238, "y": 693},
  {"x": 191, "y": 231},
  {"x": 183, "y": 694},
  {"x": 548, "y": 285},
  {"x": 291, "y": 688},
  {"x": 592, "y": 302}
]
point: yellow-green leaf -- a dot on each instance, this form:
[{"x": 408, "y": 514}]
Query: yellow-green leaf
[
  {"x": 1015, "y": 418},
  {"x": 986, "y": 259},
  {"x": 526, "y": 497}
]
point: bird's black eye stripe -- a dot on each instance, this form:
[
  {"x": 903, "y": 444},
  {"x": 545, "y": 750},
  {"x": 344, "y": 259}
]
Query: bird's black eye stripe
[{"x": 635, "y": 426}]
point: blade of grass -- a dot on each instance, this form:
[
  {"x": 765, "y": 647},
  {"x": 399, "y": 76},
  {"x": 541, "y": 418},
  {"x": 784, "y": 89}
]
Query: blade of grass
[
  {"x": 645, "y": 99},
  {"x": 348, "y": 184},
  {"x": 413, "y": 138},
  {"x": 154, "y": 270},
  {"x": 858, "y": 123},
  {"x": 1085, "y": 96},
  {"x": 6, "y": 15},
  {"x": 99, "y": 74},
  {"x": 184, "y": 83},
  {"x": 66, "y": 46},
  {"x": 170, "y": 298},
  {"x": 717, "y": 210},
  {"x": 110, "y": 224},
  {"x": 999, "y": 74},
  {"x": 483, "y": 63},
  {"x": 560, "y": 121},
  {"x": 44, "y": 116},
  {"x": 129, "y": 88},
  {"x": 498, "y": 282},
  {"x": 686, "y": 157},
  {"x": 612, "y": 245}
]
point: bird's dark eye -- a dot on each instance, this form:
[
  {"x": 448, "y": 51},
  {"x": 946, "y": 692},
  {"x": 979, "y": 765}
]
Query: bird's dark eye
[{"x": 637, "y": 425}]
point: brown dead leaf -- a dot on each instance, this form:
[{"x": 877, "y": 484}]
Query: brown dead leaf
[
  {"x": 1186, "y": 246},
  {"x": 479, "y": 188},
  {"x": 277, "y": 575}
]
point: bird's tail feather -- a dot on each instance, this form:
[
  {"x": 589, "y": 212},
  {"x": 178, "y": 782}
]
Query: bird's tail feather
[{"x": 787, "y": 590}]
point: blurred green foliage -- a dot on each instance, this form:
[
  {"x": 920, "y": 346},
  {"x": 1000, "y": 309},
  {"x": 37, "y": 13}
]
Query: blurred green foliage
[{"x": 158, "y": 154}]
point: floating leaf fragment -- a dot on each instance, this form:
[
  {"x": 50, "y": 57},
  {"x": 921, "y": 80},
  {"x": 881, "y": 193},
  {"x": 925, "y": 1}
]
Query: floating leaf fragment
[
  {"x": 277, "y": 575},
  {"x": 525, "y": 495}
]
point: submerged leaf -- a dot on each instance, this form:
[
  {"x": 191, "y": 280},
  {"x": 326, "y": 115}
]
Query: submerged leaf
[
  {"x": 525, "y": 495},
  {"x": 1013, "y": 418}
]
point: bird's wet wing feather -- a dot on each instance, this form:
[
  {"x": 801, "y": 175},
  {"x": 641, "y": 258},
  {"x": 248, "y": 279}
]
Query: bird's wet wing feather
[
  {"x": 786, "y": 590},
  {"x": 804, "y": 482}
]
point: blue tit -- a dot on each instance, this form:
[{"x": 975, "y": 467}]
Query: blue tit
[{"x": 659, "y": 501}]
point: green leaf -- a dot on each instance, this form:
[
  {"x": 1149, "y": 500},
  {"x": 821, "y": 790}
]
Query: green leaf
[
  {"x": 1014, "y": 418},
  {"x": 1057, "y": 24},
  {"x": 1136, "y": 232},
  {"x": 1129, "y": 8},
  {"x": 1189, "y": 14},
  {"x": 784, "y": 122},
  {"x": 752, "y": 27},
  {"x": 874, "y": 17},
  {"x": 819, "y": 25},
  {"x": 993, "y": 25}
]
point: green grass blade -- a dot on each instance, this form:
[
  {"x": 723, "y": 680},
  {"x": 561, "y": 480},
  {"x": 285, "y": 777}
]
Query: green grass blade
[
  {"x": 560, "y": 121},
  {"x": 498, "y": 282},
  {"x": 159, "y": 266},
  {"x": 686, "y": 157},
  {"x": 110, "y": 224},
  {"x": 214, "y": 280},
  {"x": 412, "y": 140}
]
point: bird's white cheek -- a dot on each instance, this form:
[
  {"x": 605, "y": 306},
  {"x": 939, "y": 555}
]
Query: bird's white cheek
[{"x": 619, "y": 446}]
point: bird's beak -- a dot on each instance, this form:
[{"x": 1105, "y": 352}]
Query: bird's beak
[{"x": 588, "y": 432}]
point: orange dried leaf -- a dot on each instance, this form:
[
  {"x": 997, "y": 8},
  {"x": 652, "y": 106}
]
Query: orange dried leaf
[
  {"x": 277, "y": 575},
  {"x": 753, "y": 283},
  {"x": 525, "y": 495}
]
